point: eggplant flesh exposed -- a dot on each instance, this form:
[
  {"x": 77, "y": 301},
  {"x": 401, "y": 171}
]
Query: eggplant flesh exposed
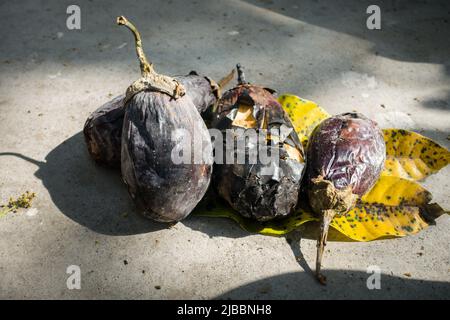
[
  {"x": 160, "y": 122},
  {"x": 257, "y": 189},
  {"x": 103, "y": 128},
  {"x": 345, "y": 156}
]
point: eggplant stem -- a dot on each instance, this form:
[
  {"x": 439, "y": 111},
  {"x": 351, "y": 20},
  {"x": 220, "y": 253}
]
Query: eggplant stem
[
  {"x": 145, "y": 65},
  {"x": 327, "y": 217},
  {"x": 241, "y": 75},
  {"x": 225, "y": 80}
]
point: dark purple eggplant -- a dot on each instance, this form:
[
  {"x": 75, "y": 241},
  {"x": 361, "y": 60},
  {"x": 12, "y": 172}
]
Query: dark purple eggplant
[
  {"x": 156, "y": 112},
  {"x": 258, "y": 190},
  {"x": 103, "y": 128},
  {"x": 345, "y": 156},
  {"x": 103, "y": 132}
]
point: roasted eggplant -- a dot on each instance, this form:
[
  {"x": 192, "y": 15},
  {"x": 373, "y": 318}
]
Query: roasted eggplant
[{"x": 265, "y": 187}]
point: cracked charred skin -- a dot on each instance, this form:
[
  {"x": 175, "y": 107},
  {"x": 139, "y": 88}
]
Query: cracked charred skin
[{"x": 262, "y": 191}]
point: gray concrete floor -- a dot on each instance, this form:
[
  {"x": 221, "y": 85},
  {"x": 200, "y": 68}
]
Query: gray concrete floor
[{"x": 51, "y": 78}]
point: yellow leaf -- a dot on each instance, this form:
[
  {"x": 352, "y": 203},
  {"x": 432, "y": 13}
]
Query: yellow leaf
[
  {"x": 305, "y": 115},
  {"x": 394, "y": 207},
  {"x": 367, "y": 222},
  {"x": 374, "y": 217},
  {"x": 269, "y": 228},
  {"x": 408, "y": 154},
  {"x": 395, "y": 191},
  {"x": 411, "y": 155}
]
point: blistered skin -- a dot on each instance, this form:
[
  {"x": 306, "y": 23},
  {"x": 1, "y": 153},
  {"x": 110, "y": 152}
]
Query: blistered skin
[
  {"x": 252, "y": 189},
  {"x": 265, "y": 105},
  {"x": 103, "y": 128},
  {"x": 163, "y": 190},
  {"x": 257, "y": 194},
  {"x": 348, "y": 150}
]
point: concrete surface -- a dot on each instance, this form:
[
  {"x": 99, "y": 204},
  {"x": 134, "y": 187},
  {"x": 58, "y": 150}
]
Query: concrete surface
[{"x": 52, "y": 78}]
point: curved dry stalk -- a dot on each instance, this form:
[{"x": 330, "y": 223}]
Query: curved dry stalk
[
  {"x": 225, "y": 80},
  {"x": 146, "y": 66},
  {"x": 150, "y": 80},
  {"x": 327, "y": 217}
]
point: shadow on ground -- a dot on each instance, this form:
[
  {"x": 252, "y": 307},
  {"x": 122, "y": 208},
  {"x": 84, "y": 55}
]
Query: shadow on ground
[
  {"x": 415, "y": 31},
  {"x": 90, "y": 195},
  {"x": 340, "y": 285},
  {"x": 96, "y": 197},
  {"x": 412, "y": 31}
]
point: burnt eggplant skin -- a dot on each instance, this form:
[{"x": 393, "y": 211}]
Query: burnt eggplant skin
[
  {"x": 255, "y": 194},
  {"x": 246, "y": 187},
  {"x": 348, "y": 150},
  {"x": 103, "y": 128},
  {"x": 162, "y": 190}
]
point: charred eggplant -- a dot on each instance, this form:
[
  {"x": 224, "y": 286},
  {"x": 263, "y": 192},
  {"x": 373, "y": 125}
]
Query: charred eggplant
[{"x": 262, "y": 189}]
